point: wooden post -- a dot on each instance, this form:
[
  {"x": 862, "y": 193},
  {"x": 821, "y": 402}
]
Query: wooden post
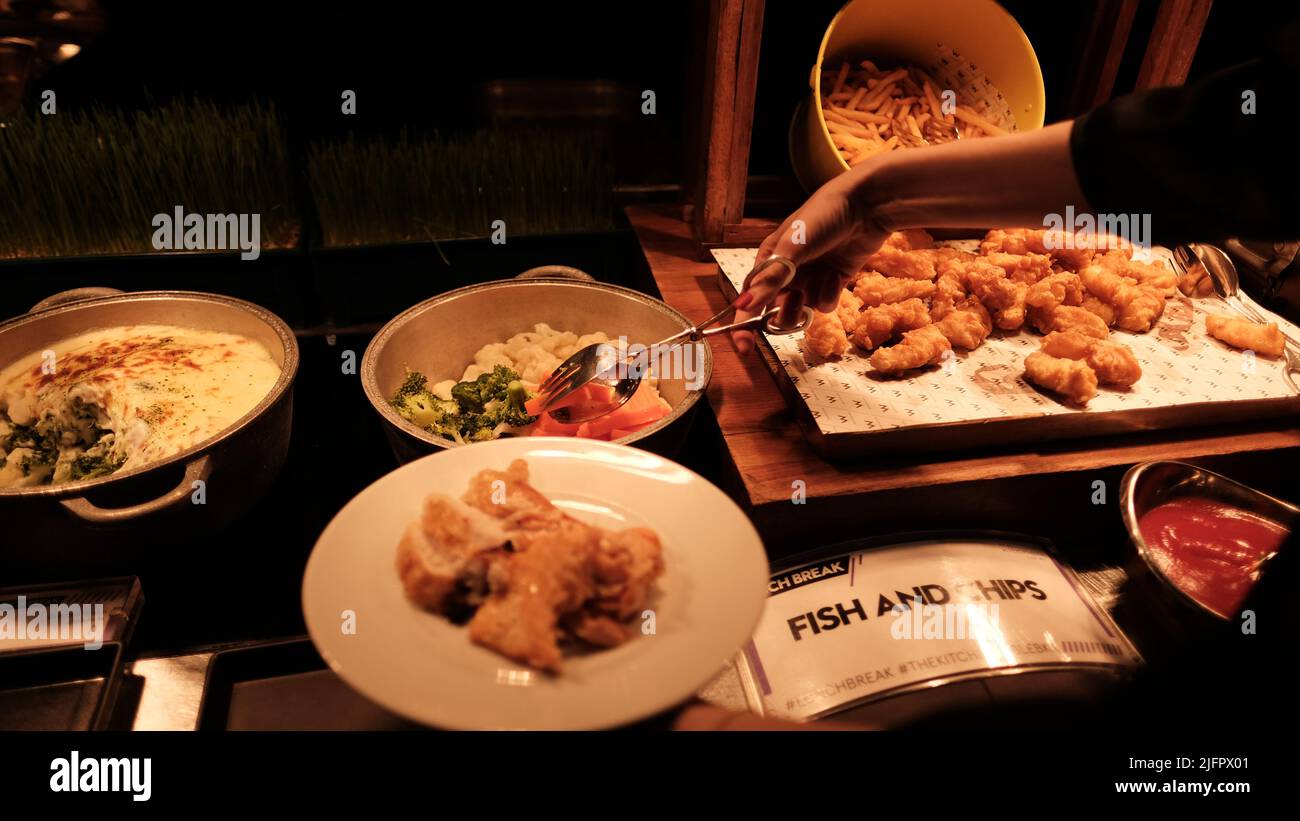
[
  {"x": 1173, "y": 42},
  {"x": 727, "y": 113},
  {"x": 1108, "y": 33}
]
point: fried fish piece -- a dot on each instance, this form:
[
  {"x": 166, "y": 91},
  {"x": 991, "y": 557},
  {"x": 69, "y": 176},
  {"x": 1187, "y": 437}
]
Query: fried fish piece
[
  {"x": 1139, "y": 308},
  {"x": 878, "y": 325},
  {"x": 921, "y": 347},
  {"x": 1113, "y": 362},
  {"x": 444, "y": 554},
  {"x": 967, "y": 324},
  {"x": 1002, "y": 296},
  {"x": 950, "y": 283},
  {"x": 890, "y": 261},
  {"x": 825, "y": 335},
  {"x": 1026, "y": 268},
  {"x": 1136, "y": 306},
  {"x": 1264, "y": 338},
  {"x": 848, "y": 309},
  {"x": 1070, "y": 250},
  {"x": 1155, "y": 275},
  {"x": 1071, "y": 378},
  {"x": 547, "y": 576},
  {"x": 1105, "y": 283},
  {"x": 875, "y": 289},
  {"x": 910, "y": 239},
  {"x": 1055, "y": 290},
  {"x": 625, "y": 566},
  {"x": 1104, "y": 311},
  {"x": 1069, "y": 318},
  {"x": 1063, "y": 250}
]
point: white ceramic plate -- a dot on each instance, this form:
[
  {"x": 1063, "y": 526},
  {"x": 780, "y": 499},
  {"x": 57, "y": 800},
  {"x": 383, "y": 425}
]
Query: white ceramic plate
[{"x": 422, "y": 667}]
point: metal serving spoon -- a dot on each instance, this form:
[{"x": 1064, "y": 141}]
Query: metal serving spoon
[{"x": 1227, "y": 285}]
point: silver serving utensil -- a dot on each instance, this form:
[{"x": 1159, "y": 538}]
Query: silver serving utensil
[
  {"x": 1227, "y": 286},
  {"x": 604, "y": 364}
]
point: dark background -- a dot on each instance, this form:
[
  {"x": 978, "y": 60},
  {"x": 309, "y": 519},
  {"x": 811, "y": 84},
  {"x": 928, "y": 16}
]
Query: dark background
[{"x": 424, "y": 65}]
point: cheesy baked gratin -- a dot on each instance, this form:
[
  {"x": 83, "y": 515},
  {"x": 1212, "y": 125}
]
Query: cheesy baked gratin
[{"x": 119, "y": 398}]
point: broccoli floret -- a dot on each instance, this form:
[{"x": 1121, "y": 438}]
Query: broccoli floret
[
  {"x": 475, "y": 410},
  {"x": 417, "y": 405},
  {"x": 415, "y": 383},
  {"x": 512, "y": 411},
  {"x": 468, "y": 396}
]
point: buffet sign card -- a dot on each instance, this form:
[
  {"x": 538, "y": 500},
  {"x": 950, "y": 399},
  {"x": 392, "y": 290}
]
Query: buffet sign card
[
  {"x": 1181, "y": 366},
  {"x": 853, "y": 627}
]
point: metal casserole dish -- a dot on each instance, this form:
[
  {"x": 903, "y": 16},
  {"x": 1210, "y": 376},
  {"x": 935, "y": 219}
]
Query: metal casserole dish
[
  {"x": 108, "y": 523},
  {"x": 440, "y": 336}
]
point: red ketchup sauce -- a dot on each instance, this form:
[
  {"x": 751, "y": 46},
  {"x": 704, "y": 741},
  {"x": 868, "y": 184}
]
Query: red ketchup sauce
[{"x": 1210, "y": 550}]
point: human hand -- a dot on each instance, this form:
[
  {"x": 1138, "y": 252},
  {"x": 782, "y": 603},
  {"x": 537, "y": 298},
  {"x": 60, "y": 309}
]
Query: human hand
[{"x": 828, "y": 239}]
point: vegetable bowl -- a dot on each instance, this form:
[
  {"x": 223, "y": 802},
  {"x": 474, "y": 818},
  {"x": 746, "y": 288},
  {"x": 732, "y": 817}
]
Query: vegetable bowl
[{"x": 440, "y": 358}]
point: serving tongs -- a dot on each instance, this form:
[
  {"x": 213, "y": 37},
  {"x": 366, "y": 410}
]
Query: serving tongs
[
  {"x": 604, "y": 364},
  {"x": 1227, "y": 286}
]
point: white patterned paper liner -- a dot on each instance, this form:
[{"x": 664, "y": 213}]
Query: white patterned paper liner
[{"x": 1181, "y": 365}]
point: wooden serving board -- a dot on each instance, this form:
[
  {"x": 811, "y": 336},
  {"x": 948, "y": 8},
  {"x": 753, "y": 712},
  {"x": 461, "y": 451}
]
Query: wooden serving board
[{"x": 980, "y": 398}]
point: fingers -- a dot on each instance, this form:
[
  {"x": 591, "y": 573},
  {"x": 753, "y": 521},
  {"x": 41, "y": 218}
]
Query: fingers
[
  {"x": 828, "y": 291},
  {"x": 792, "y": 303},
  {"x": 761, "y": 288}
]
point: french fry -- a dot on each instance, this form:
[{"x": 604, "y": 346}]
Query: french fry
[
  {"x": 869, "y": 110},
  {"x": 860, "y": 116},
  {"x": 967, "y": 115},
  {"x": 841, "y": 77}
]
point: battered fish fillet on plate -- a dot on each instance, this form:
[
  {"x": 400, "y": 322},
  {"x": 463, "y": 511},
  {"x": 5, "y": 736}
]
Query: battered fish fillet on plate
[
  {"x": 921, "y": 347},
  {"x": 548, "y": 575},
  {"x": 892, "y": 262},
  {"x": 1071, "y": 378},
  {"x": 530, "y": 575},
  {"x": 442, "y": 559},
  {"x": 967, "y": 325},
  {"x": 878, "y": 325},
  {"x": 1263, "y": 339},
  {"x": 1113, "y": 362}
]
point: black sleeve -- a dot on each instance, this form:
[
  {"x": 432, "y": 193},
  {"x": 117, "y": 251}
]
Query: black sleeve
[{"x": 1193, "y": 159}]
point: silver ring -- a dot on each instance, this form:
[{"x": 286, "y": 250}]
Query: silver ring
[
  {"x": 805, "y": 317},
  {"x": 783, "y": 260}
]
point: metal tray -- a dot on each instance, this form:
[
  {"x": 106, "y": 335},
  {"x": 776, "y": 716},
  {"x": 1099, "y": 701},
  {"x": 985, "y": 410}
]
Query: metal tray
[{"x": 846, "y": 412}]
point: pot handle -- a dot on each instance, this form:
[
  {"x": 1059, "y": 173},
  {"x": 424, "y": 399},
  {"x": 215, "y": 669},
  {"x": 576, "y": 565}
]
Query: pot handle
[
  {"x": 64, "y": 297},
  {"x": 556, "y": 272},
  {"x": 197, "y": 470}
]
